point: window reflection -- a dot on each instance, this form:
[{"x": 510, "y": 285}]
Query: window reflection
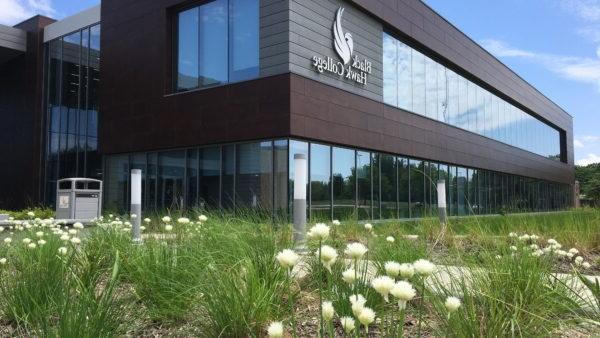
[
  {"x": 320, "y": 182},
  {"x": 343, "y": 183}
]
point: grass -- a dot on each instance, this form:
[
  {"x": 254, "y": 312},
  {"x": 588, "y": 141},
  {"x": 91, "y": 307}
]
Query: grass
[{"x": 220, "y": 277}]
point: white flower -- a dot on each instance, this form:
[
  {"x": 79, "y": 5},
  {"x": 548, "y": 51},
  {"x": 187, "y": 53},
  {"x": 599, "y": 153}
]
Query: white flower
[
  {"x": 562, "y": 253},
  {"x": 404, "y": 291},
  {"x": 79, "y": 225},
  {"x": 328, "y": 256},
  {"x": 75, "y": 240},
  {"x": 368, "y": 226},
  {"x": 578, "y": 260},
  {"x": 62, "y": 250},
  {"x": 390, "y": 239},
  {"x": 552, "y": 241},
  {"x": 412, "y": 237},
  {"x": 2, "y": 261},
  {"x": 573, "y": 251},
  {"x": 64, "y": 237},
  {"x": 133, "y": 216},
  {"x": 366, "y": 317},
  {"x": 407, "y": 270},
  {"x": 586, "y": 265},
  {"x": 570, "y": 255},
  {"x": 513, "y": 235},
  {"x": 355, "y": 250},
  {"x": 392, "y": 269},
  {"x": 142, "y": 228},
  {"x": 166, "y": 219},
  {"x": 383, "y": 285},
  {"x": 31, "y": 214},
  {"x": 336, "y": 222},
  {"x": 275, "y": 330},
  {"x": 348, "y": 324},
  {"x": 26, "y": 240},
  {"x": 328, "y": 311},
  {"x": 31, "y": 245},
  {"x": 537, "y": 253},
  {"x": 39, "y": 234},
  {"x": 534, "y": 237},
  {"x": 202, "y": 218},
  {"x": 1, "y": 229},
  {"x": 534, "y": 246},
  {"x": 424, "y": 267},
  {"x": 349, "y": 276},
  {"x": 168, "y": 227},
  {"x": 319, "y": 231},
  {"x": 287, "y": 258},
  {"x": 147, "y": 220},
  {"x": 452, "y": 304},
  {"x": 513, "y": 248},
  {"x": 183, "y": 220},
  {"x": 524, "y": 237},
  {"x": 358, "y": 303},
  {"x": 7, "y": 240},
  {"x": 72, "y": 232},
  {"x": 41, "y": 242}
]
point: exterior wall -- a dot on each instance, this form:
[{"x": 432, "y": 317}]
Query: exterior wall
[{"x": 21, "y": 93}]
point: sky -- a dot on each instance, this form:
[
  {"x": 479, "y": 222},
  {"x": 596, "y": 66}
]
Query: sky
[{"x": 552, "y": 44}]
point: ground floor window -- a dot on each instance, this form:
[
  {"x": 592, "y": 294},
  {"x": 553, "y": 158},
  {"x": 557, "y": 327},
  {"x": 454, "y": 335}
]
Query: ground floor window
[{"x": 342, "y": 183}]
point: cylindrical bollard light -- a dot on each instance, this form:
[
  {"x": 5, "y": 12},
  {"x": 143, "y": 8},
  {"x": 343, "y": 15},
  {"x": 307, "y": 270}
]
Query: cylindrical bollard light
[
  {"x": 299, "y": 210},
  {"x": 441, "y": 195},
  {"x": 136, "y": 204}
]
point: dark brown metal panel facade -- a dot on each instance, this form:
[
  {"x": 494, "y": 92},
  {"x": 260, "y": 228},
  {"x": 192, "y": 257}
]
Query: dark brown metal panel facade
[
  {"x": 322, "y": 112},
  {"x": 424, "y": 27},
  {"x": 22, "y": 116}
]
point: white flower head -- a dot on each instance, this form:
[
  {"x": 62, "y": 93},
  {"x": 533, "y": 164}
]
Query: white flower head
[
  {"x": 79, "y": 225},
  {"x": 513, "y": 248},
  {"x": 348, "y": 324},
  {"x": 147, "y": 220},
  {"x": 183, "y": 220},
  {"x": 166, "y": 219},
  {"x": 407, "y": 270},
  {"x": 62, "y": 251},
  {"x": 319, "y": 231},
  {"x": 31, "y": 245},
  {"x": 355, "y": 250},
  {"x": 328, "y": 256},
  {"x": 390, "y": 239},
  {"x": 275, "y": 330},
  {"x": 39, "y": 234},
  {"x": 26, "y": 240},
  {"x": 586, "y": 265},
  {"x": 72, "y": 232},
  {"x": 168, "y": 227},
  {"x": 133, "y": 216},
  {"x": 349, "y": 276},
  {"x": 75, "y": 240},
  {"x": 287, "y": 258},
  {"x": 573, "y": 251},
  {"x": 366, "y": 317},
  {"x": 202, "y": 218},
  {"x": 524, "y": 237},
  {"x": 424, "y": 267},
  {"x": 31, "y": 214},
  {"x": 552, "y": 241},
  {"x": 578, "y": 260},
  {"x": 41, "y": 242},
  {"x": 64, "y": 237},
  {"x": 404, "y": 291},
  {"x": 452, "y": 304},
  {"x": 358, "y": 303},
  {"x": 2, "y": 261},
  {"x": 537, "y": 253},
  {"x": 392, "y": 269},
  {"x": 328, "y": 311},
  {"x": 513, "y": 235},
  {"x": 368, "y": 226},
  {"x": 383, "y": 285},
  {"x": 336, "y": 222}
]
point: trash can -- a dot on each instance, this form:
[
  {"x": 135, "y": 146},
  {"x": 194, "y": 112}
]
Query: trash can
[{"x": 78, "y": 199}]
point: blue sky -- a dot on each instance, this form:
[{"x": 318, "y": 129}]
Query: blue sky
[{"x": 553, "y": 44}]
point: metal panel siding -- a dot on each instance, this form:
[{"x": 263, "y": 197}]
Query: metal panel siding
[
  {"x": 311, "y": 35},
  {"x": 274, "y": 37}
]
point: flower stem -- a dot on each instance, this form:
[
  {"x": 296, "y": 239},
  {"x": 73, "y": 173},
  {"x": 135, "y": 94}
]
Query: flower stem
[{"x": 421, "y": 305}]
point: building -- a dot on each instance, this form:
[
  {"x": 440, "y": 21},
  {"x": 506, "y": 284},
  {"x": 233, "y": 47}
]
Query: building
[{"x": 212, "y": 99}]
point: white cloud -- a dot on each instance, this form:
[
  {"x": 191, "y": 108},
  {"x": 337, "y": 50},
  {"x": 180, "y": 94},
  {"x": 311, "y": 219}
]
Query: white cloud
[
  {"x": 581, "y": 69},
  {"x": 15, "y": 11},
  {"x": 589, "y": 159},
  {"x": 578, "y": 144},
  {"x": 590, "y": 138},
  {"x": 588, "y": 10}
]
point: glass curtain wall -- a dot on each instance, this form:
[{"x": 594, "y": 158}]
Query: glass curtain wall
[
  {"x": 416, "y": 83},
  {"x": 342, "y": 184},
  {"x": 72, "y": 76}
]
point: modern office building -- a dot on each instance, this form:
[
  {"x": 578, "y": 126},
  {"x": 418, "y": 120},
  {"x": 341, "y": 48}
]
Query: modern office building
[{"x": 212, "y": 100}]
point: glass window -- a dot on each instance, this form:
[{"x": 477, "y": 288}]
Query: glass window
[
  {"x": 297, "y": 147},
  {"x": 320, "y": 182},
  {"x": 363, "y": 174},
  {"x": 442, "y": 93},
  {"x": 375, "y": 172},
  {"x": 210, "y": 175},
  {"x": 254, "y": 176},
  {"x": 280, "y": 179},
  {"x": 472, "y": 195},
  {"x": 343, "y": 184},
  {"x": 472, "y": 93},
  {"x": 151, "y": 181},
  {"x": 480, "y": 110},
  {"x": 171, "y": 169},
  {"x": 461, "y": 190},
  {"x": 417, "y": 183},
  {"x": 405, "y": 100},
  {"x": 212, "y": 46},
  {"x": 228, "y": 177},
  {"x": 388, "y": 178},
  {"x": 390, "y": 71},
  {"x": 243, "y": 42},
  {"x": 462, "y": 120},
  {"x": 191, "y": 184},
  {"x": 452, "y": 204},
  {"x": 403, "y": 188},
  {"x": 187, "y": 49},
  {"x": 116, "y": 190},
  {"x": 431, "y": 88},
  {"x": 418, "y": 82},
  {"x": 453, "y": 93}
]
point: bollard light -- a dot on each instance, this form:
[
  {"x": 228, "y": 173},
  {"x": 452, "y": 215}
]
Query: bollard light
[
  {"x": 441, "y": 195},
  {"x": 136, "y": 204},
  {"x": 299, "y": 209}
]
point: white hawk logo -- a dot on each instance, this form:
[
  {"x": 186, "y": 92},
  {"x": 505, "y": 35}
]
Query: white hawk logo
[{"x": 343, "y": 43}]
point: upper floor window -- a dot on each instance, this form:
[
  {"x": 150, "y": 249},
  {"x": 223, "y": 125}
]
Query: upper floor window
[{"x": 217, "y": 42}]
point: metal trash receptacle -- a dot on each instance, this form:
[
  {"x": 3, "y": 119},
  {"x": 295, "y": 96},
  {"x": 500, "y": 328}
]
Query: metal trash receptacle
[{"x": 78, "y": 199}]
